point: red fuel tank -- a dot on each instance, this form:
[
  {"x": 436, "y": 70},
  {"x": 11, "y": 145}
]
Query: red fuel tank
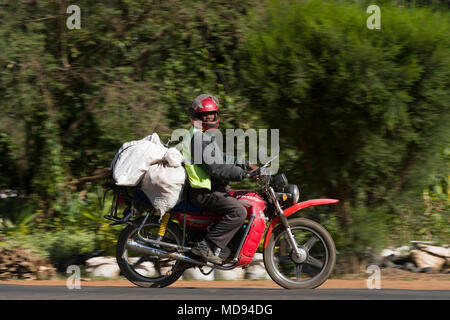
[
  {"x": 255, "y": 205},
  {"x": 253, "y": 201}
]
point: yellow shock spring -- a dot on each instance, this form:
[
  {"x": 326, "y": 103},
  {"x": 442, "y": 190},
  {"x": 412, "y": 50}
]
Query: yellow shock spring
[{"x": 163, "y": 225}]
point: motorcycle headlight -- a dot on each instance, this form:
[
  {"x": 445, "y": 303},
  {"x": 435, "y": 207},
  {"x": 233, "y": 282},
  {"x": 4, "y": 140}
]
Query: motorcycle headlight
[{"x": 293, "y": 190}]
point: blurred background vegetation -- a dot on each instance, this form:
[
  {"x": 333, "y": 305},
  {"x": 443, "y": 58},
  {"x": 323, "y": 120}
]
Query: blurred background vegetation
[{"x": 363, "y": 114}]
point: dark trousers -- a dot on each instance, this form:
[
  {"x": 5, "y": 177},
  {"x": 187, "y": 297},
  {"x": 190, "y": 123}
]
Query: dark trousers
[{"x": 221, "y": 203}]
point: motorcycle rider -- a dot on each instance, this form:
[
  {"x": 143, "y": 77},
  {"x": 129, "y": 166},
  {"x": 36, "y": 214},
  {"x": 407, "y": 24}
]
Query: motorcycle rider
[{"x": 208, "y": 180}]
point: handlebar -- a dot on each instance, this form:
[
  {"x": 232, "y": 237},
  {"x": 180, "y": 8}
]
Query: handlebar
[{"x": 257, "y": 172}]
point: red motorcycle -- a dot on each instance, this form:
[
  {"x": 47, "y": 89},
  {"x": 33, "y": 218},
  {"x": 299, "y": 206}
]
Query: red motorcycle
[{"x": 154, "y": 252}]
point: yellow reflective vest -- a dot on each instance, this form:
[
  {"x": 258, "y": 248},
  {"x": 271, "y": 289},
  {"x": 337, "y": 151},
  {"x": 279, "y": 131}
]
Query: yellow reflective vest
[{"x": 198, "y": 178}]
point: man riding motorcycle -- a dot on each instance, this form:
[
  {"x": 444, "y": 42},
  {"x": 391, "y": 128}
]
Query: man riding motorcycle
[{"x": 208, "y": 180}]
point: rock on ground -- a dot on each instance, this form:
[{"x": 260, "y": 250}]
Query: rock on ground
[
  {"x": 422, "y": 257},
  {"x": 424, "y": 260}
]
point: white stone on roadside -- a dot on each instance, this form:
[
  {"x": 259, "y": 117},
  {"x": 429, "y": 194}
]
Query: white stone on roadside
[
  {"x": 257, "y": 258},
  {"x": 395, "y": 253},
  {"x": 97, "y": 261},
  {"x": 106, "y": 270},
  {"x": 438, "y": 251},
  {"x": 146, "y": 269},
  {"x": 425, "y": 260},
  {"x": 256, "y": 272},
  {"x": 196, "y": 274},
  {"x": 387, "y": 253},
  {"x": 234, "y": 274}
]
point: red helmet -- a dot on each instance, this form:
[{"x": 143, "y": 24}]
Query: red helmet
[{"x": 204, "y": 103}]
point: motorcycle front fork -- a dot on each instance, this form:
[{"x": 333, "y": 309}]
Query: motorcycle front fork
[{"x": 285, "y": 223}]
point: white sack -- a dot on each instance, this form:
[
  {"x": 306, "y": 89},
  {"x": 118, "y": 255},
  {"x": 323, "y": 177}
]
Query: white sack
[
  {"x": 163, "y": 185},
  {"x": 158, "y": 169},
  {"x": 134, "y": 158},
  {"x": 173, "y": 157}
]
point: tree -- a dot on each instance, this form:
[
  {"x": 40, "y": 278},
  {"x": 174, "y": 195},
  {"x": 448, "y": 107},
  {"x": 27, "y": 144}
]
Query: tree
[
  {"x": 362, "y": 113},
  {"x": 71, "y": 97}
]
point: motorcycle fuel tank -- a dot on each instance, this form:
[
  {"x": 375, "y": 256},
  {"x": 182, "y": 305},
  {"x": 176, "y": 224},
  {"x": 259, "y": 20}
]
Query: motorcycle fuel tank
[
  {"x": 255, "y": 205},
  {"x": 252, "y": 201}
]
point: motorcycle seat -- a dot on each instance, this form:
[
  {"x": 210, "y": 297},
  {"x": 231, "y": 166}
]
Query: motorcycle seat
[
  {"x": 190, "y": 207},
  {"x": 140, "y": 197}
]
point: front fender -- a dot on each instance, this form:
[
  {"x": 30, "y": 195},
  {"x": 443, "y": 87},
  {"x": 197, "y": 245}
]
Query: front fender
[{"x": 293, "y": 209}]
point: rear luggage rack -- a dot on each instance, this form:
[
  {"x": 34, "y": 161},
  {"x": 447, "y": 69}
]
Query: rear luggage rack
[
  {"x": 120, "y": 195},
  {"x": 128, "y": 213}
]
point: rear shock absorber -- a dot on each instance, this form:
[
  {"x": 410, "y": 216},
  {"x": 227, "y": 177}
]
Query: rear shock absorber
[{"x": 163, "y": 226}]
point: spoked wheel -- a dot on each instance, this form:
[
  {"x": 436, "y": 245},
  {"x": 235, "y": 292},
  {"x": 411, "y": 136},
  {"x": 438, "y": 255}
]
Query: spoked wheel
[
  {"x": 308, "y": 269},
  {"x": 145, "y": 270}
]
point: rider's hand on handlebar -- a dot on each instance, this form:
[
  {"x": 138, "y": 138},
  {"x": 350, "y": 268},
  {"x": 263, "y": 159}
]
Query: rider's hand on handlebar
[{"x": 254, "y": 168}]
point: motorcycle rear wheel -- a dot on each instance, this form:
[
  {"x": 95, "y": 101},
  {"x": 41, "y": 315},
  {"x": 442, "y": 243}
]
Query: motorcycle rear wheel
[
  {"x": 311, "y": 269},
  {"x": 135, "y": 266}
]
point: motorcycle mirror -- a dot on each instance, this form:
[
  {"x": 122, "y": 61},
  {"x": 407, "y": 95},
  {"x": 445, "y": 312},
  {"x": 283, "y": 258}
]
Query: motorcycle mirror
[{"x": 268, "y": 162}]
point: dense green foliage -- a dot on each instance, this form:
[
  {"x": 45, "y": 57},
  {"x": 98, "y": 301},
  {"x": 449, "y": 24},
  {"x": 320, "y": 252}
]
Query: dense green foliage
[{"x": 363, "y": 114}]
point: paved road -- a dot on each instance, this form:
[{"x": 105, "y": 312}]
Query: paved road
[{"x": 25, "y": 292}]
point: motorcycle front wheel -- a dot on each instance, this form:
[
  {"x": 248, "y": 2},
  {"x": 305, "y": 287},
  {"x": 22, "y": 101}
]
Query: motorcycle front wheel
[
  {"x": 306, "y": 270},
  {"x": 146, "y": 270}
]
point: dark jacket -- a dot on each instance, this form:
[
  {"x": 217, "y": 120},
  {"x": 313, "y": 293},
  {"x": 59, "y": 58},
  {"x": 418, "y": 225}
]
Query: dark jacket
[{"x": 221, "y": 172}]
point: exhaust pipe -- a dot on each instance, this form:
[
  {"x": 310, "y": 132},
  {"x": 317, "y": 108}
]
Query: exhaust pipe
[{"x": 142, "y": 248}]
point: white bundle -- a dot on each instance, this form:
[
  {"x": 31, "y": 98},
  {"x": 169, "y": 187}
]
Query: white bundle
[
  {"x": 159, "y": 168},
  {"x": 173, "y": 157},
  {"x": 164, "y": 181},
  {"x": 134, "y": 158}
]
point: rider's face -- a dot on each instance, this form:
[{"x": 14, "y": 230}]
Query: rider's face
[{"x": 207, "y": 116}]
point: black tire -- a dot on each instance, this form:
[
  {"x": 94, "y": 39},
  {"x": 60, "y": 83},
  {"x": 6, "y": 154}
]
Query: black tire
[
  {"x": 131, "y": 270},
  {"x": 315, "y": 267}
]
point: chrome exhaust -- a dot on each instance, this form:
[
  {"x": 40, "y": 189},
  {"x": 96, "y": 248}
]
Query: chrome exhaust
[
  {"x": 151, "y": 251},
  {"x": 161, "y": 253}
]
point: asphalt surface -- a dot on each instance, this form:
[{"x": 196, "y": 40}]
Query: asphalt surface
[{"x": 25, "y": 292}]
